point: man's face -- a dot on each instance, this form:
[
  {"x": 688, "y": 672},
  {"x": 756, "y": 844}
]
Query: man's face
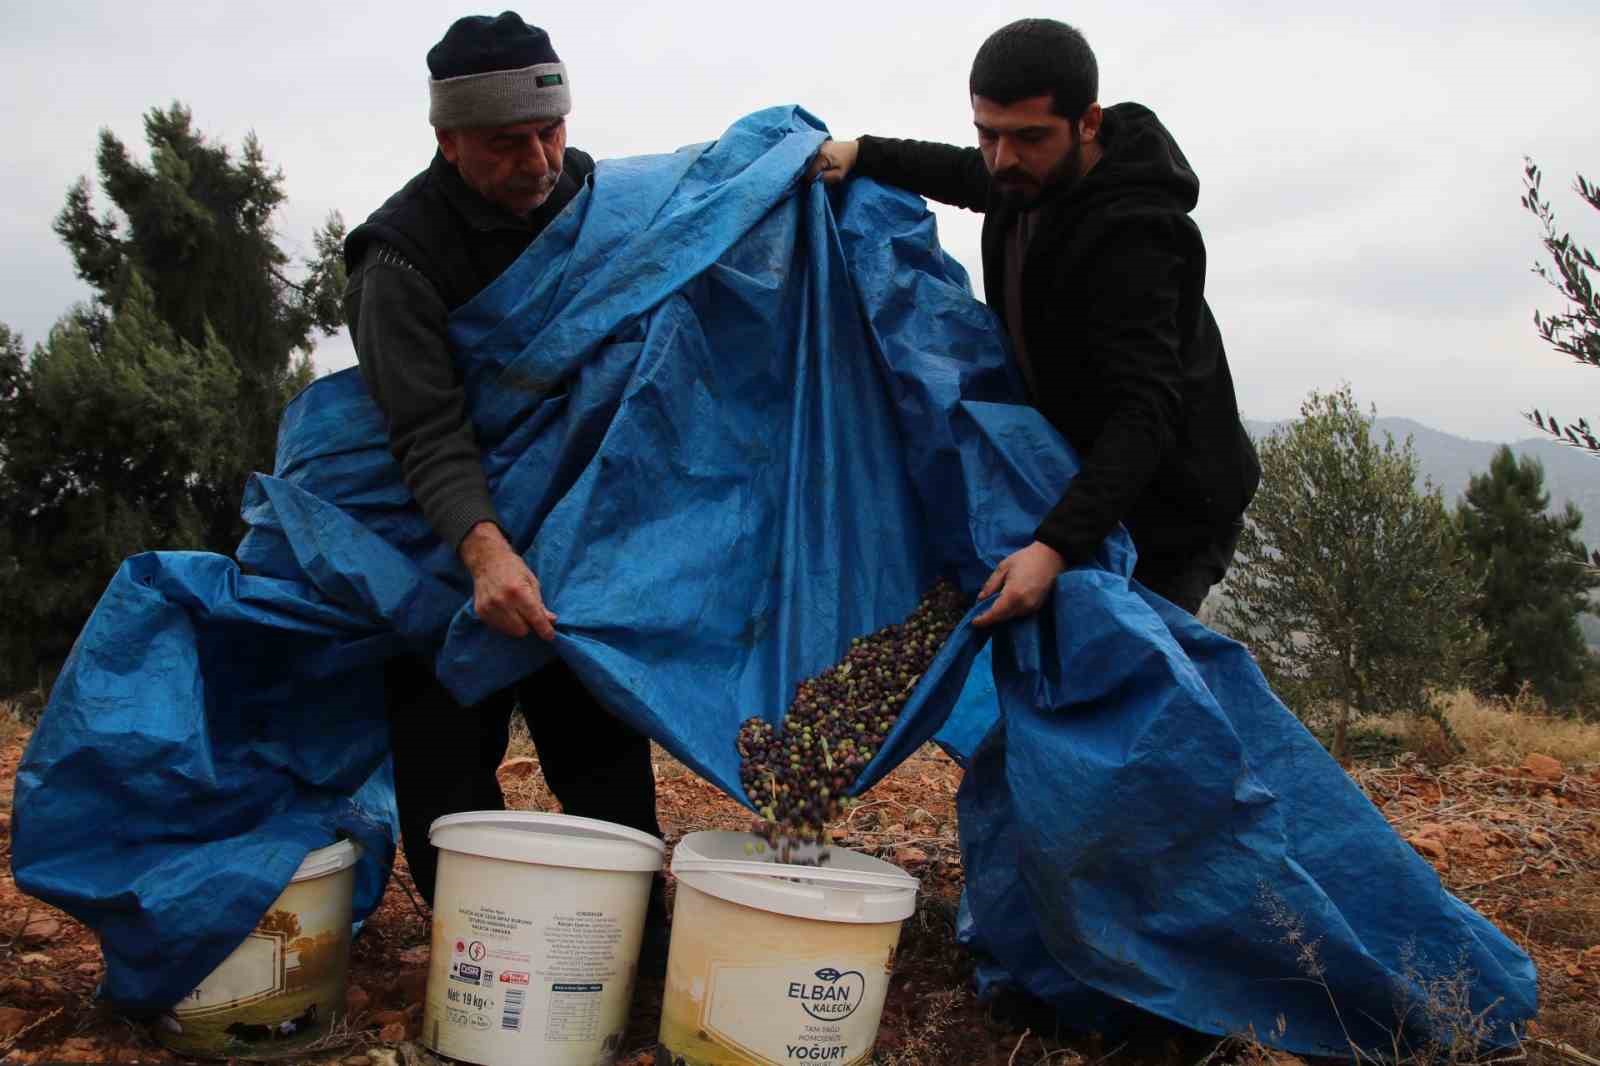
[
  {"x": 514, "y": 167},
  {"x": 1026, "y": 146}
]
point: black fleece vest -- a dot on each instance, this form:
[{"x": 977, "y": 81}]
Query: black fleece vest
[{"x": 459, "y": 241}]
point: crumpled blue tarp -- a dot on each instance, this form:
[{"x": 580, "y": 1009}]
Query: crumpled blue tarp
[{"x": 733, "y": 423}]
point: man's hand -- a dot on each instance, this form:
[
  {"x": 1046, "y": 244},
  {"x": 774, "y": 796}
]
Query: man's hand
[
  {"x": 1023, "y": 580},
  {"x": 504, "y": 591},
  {"x": 833, "y": 162}
]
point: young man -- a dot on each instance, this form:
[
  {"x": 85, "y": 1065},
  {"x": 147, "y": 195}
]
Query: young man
[
  {"x": 1094, "y": 266},
  {"x": 502, "y": 172}
]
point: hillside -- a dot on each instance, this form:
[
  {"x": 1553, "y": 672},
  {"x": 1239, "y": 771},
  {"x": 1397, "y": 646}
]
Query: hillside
[{"x": 1449, "y": 462}]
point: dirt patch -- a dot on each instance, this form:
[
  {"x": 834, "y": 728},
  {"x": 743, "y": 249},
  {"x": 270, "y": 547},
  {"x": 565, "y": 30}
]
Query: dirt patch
[{"x": 1522, "y": 848}]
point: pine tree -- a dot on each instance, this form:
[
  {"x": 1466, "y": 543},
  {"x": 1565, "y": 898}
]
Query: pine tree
[
  {"x": 1534, "y": 583},
  {"x": 197, "y": 226},
  {"x": 138, "y": 421},
  {"x": 108, "y": 449},
  {"x": 1349, "y": 585}
]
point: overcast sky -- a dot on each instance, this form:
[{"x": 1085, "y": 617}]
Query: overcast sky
[{"x": 1360, "y": 163}]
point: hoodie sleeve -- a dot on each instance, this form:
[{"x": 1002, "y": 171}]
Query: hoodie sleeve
[
  {"x": 1130, "y": 337},
  {"x": 942, "y": 172}
]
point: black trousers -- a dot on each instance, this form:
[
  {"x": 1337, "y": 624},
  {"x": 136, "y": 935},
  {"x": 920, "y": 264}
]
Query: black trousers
[
  {"x": 445, "y": 755},
  {"x": 1185, "y": 578}
]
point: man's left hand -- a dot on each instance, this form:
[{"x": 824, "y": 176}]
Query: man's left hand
[{"x": 1024, "y": 580}]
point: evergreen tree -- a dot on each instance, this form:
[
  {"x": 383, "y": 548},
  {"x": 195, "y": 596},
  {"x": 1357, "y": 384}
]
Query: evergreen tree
[
  {"x": 197, "y": 226},
  {"x": 1534, "y": 583},
  {"x": 108, "y": 449},
  {"x": 1349, "y": 585},
  {"x": 136, "y": 424}
]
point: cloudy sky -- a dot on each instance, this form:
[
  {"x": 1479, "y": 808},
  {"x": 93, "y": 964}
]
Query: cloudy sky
[{"x": 1360, "y": 163}]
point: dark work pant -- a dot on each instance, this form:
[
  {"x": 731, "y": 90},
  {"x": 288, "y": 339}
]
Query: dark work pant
[
  {"x": 445, "y": 755},
  {"x": 1186, "y": 578}
]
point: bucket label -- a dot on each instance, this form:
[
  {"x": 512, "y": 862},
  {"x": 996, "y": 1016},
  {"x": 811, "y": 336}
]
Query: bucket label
[
  {"x": 281, "y": 988},
  {"x": 801, "y": 1012},
  {"x": 536, "y": 967}
]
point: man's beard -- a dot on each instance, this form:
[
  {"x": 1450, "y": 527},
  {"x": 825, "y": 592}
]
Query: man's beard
[{"x": 1018, "y": 186}]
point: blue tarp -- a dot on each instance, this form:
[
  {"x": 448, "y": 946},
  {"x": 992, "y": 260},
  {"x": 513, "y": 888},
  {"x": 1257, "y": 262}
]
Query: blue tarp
[{"x": 733, "y": 422}]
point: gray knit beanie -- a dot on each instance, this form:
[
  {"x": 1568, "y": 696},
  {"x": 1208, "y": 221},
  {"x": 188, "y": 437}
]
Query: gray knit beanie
[{"x": 495, "y": 72}]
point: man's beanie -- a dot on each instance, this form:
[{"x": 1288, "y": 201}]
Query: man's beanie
[{"x": 495, "y": 72}]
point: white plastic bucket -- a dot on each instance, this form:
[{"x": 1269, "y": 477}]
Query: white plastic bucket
[
  {"x": 772, "y": 963},
  {"x": 537, "y": 920},
  {"x": 282, "y": 988}
]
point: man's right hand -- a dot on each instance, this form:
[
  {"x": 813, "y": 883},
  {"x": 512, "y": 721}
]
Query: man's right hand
[
  {"x": 504, "y": 591},
  {"x": 833, "y": 161}
]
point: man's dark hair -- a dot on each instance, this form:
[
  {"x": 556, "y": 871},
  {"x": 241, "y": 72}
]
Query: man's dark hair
[{"x": 1037, "y": 57}]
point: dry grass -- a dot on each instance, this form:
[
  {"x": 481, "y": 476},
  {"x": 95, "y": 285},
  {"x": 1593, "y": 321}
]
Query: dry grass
[
  {"x": 1499, "y": 732},
  {"x": 11, "y": 723}
]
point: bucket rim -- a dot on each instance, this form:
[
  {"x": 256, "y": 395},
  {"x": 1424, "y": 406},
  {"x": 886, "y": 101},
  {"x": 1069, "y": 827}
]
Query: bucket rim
[
  {"x": 860, "y": 889},
  {"x": 332, "y": 859},
  {"x": 523, "y": 821},
  {"x": 862, "y": 879}
]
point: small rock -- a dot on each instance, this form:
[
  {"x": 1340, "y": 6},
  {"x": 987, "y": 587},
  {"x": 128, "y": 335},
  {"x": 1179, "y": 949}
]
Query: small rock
[
  {"x": 356, "y": 999},
  {"x": 1470, "y": 836},
  {"x": 79, "y": 1049},
  {"x": 39, "y": 930},
  {"x": 519, "y": 768},
  {"x": 13, "y": 1021},
  {"x": 1544, "y": 767},
  {"x": 1430, "y": 829},
  {"x": 417, "y": 956},
  {"x": 1429, "y": 847},
  {"x": 393, "y": 1034},
  {"x": 909, "y": 856}
]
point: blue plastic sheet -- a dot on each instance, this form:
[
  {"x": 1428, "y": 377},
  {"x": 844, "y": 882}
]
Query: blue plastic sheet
[{"x": 733, "y": 422}]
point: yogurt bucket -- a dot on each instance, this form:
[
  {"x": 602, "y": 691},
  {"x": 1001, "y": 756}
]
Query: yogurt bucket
[
  {"x": 283, "y": 987},
  {"x": 537, "y": 920},
  {"x": 773, "y": 963}
]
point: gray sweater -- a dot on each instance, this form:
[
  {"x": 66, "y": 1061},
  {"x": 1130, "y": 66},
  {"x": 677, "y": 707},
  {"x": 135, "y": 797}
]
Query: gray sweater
[{"x": 398, "y": 322}]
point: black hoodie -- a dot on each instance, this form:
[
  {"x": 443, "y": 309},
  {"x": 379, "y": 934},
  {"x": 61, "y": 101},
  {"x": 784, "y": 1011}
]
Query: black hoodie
[{"x": 1127, "y": 361}]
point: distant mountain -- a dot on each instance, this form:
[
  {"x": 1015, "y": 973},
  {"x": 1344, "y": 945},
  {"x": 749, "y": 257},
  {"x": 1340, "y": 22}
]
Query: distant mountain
[{"x": 1450, "y": 462}]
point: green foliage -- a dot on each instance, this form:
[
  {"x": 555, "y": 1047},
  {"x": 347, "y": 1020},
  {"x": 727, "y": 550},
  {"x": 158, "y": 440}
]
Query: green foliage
[
  {"x": 137, "y": 423},
  {"x": 1576, "y": 331},
  {"x": 197, "y": 225},
  {"x": 1534, "y": 582},
  {"x": 1349, "y": 585},
  {"x": 108, "y": 450}
]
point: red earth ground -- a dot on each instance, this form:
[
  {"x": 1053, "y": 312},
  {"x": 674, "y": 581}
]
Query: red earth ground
[{"x": 1521, "y": 844}]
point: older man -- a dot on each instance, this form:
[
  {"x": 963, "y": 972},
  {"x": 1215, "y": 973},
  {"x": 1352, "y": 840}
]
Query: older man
[{"x": 502, "y": 172}]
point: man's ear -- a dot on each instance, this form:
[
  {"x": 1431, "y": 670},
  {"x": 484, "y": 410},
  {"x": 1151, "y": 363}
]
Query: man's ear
[
  {"x": 447, "y": 144},
  {"x": 1089, "y": 124}
]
